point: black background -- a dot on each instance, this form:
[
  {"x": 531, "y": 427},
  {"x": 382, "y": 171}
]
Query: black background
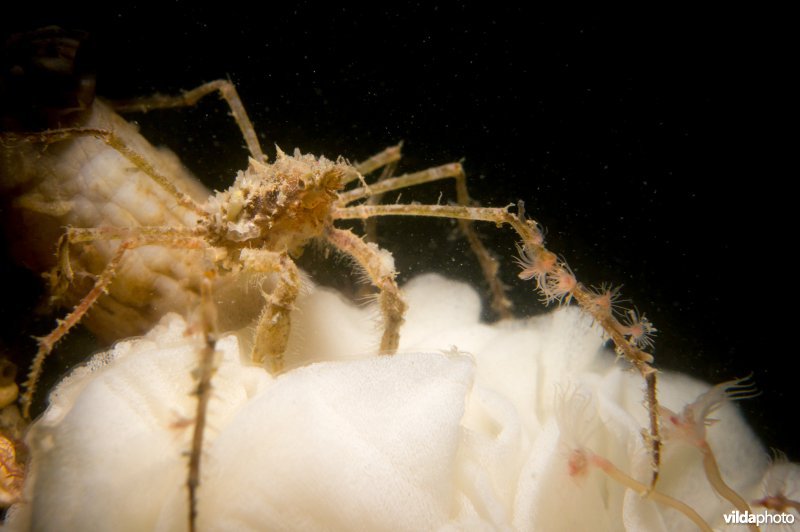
[{"x": 652, "y": 148}]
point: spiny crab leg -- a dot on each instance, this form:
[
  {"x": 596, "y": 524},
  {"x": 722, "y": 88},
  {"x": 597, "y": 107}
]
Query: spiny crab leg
[
  {"x": 112, "y": 140},
  {"x": 379, "y": 160},
  {"x": 452, "y": 170},
  {"x": 489, "y": 265},
  {"x": 208, "y": 318},
  {"x": 557, "y": 284},
  {"x": 226, "y": 90},
  {"x": 379, "y": 266},
  {"x": 136, "y": 237}
]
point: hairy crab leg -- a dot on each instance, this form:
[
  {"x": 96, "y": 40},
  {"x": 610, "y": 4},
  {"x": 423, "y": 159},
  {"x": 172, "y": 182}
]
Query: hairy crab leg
[
  {"x": 379, "y": 266},
  {"x": 560, "y": 285},
  {"x": 205, "y": 374},
  {"x": 445, "y": 171},
  {"x": 227, "y": 91},
  {"x": 379, "y": 160},
  {"x": 526, "y": 229},
  {"x": 174, "y": 237},
  {"x": 272, "y": 330},
  {"x": 62, "y": 275},
  {"x": 371, "y": 225},
  {"x": 113, "y": 141},
  {"x": 489, "y": 265}
]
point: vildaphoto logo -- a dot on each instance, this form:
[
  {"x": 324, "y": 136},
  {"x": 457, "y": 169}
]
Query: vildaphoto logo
[{"x": 746, "y": 518}]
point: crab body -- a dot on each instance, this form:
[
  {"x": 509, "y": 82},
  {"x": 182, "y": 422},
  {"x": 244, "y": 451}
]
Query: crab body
[{"x": 276, "y": 207}]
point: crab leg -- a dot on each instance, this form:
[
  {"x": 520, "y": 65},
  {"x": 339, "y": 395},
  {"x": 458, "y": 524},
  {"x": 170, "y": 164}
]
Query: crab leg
[
  {"x": 379, "y": 266},
  {"x": 227, "y": 91},
  {"x": 272, "y": 331},
  {"x": 379, "y": 160},
  {"x": 205, "y": 372},
  {"x": 115, "y": 142},
  {"x": 560, "y": 285},
  {"x": 135, "y": 239},
  {"x": 489, "y": 265}
]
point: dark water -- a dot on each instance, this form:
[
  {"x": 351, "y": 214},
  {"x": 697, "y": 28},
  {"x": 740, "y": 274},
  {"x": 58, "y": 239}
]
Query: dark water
[{"x": 649, "y": 150}]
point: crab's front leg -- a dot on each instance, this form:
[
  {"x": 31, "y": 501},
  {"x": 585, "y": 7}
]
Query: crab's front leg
[
  {"x": 379, "y": 266},
  {"x": 274, "y": 324},
  {"x": 132, "y": 238}
]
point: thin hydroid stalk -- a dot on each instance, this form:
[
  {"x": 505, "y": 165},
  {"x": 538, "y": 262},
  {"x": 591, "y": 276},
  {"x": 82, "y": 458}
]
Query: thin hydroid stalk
[
  {"x": 648, "y": 492},
  {"x": 719, "y": 485}
]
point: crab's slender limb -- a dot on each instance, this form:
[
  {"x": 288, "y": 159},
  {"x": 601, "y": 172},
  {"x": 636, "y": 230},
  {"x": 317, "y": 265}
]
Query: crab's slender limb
[
  {"x": 272, "y": 330},
  {"x": 115, "y": 142},
  {"x": 489, "y": 265},
  {"x": 445, "y": 171},
  {"x": 526, "y": 229},
  {"x": 227, "y": 91},
  {"x": 532, "y": 243},
  {"x": 653, "y": 436},
  {"x": 379, "y": 266},
  {"x": 640, "y": 360},
  {"x": 135, "y": 237},
  {"x": 379, "y": 160},
  {"x": 387, "y": 161},
  {"x": 61, "y": 275},
  {"x": 205, "y": 372},
  {"x": 371, "y": 225}
]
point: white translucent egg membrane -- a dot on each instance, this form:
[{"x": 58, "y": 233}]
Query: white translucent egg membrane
[{"x": 469, "y": 427}]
